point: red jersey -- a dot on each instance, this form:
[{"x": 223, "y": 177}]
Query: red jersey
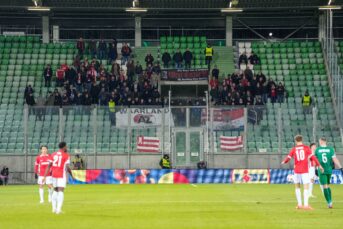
[
  {"x": 42, "y": 162},
  {"x": 302, "y": 155},
  {"x": 59, "y": 161}
]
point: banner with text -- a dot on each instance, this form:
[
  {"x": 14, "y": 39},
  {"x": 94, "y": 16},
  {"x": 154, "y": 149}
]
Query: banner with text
[
  {"x": 143, "y": 117},
  {"x": 151, "y": 176},
  {"x": 225, "y": 119},
  {"x": 185, "y": 75}
]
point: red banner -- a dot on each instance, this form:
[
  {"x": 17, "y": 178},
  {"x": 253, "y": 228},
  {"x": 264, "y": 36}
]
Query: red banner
[{"x": 185, "y": 75}]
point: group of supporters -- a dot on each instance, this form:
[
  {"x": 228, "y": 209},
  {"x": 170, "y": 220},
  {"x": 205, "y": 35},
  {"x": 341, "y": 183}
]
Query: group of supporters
[{"x": 245, "y": 88}]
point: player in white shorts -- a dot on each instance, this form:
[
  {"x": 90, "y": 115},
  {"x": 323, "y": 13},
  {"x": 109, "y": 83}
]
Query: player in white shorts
[
  {"x": 59, "y": 164},
  {"x": 41, "y": 163}
]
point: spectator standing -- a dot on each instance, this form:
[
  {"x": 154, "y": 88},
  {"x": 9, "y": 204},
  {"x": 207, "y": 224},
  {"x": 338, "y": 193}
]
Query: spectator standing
[
  {"x": 155, "y": 77},
  {"x": 254, "y": 59},
  {"x": 125, "y": 53},
  {"x": 188, "y": 57},
  {"x": 177, "y": 57},
  {"x": 102, "y": 49},
  {"x": 60, "y": 76},
  {"x": 78, "y": 163},
  {"x": 40, "y": 108},
  {"x": 112, "y": 52},
  {"x": 94, "y": 92},
  {"x": 4, "y": 175},
  {"x": 28, "y": 90},
  {"x": 243, "y": 59},
  {"x": 273, "y": 94},
  {"x": 265, "y": 93},
  {"x": 47, "y": 74},
  {"x": 208, "y": 55},
  {"x": 307, "y": 102},
  {"x": 280, "y": 93},
  {"x": 166, "y": 58},
  {"x": 115, "y": 70},
  {"x": 130, "y": 72},
  {"x": 215, "y": 72},
  {"x": 138, "y": 69},
  {"x": 30, "y": 100},
  {"x": 248, "y": 73},
  {"x": 80, "y": 45},
  {"x": 149, "y": 59},
  {"x": 112, "y": 111},
  {"x": 103, "y": 97},
  {"x": 57, "y": 98},
  {"x": 92, "y": 48}
]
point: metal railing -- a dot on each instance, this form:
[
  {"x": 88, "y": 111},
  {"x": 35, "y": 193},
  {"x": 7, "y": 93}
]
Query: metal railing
[{"x": 334, "y": 71}]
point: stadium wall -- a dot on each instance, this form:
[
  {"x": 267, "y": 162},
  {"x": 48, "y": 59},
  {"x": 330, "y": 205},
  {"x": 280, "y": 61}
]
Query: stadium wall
[
  {"x": 22, "y": 173},
  {"x": 189, "y": 176}
]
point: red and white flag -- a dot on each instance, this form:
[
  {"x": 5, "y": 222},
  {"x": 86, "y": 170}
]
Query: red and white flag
[
  {"x": 231, "y": 143},
  {"x": 148, "y": 144}
]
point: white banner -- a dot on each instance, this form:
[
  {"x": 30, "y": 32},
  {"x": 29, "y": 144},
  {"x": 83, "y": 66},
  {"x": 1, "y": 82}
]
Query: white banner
[{"x": 143, "y": 117}]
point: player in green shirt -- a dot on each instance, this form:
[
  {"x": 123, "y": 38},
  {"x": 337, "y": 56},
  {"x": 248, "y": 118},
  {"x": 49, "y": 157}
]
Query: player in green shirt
[{"x": 326, "y": 157}]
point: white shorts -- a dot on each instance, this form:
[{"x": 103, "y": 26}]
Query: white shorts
[
  {"x": 48, "y": 180},
  {"x": 312, "y": 173},
  {"x": 59, "y": 182},
  {"x": 301, "y": 178}
]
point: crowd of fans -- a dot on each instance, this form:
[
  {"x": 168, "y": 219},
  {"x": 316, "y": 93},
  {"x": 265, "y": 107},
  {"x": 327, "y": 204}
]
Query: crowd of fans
[
  {"x": 104, "y": 50},
  {"x": 88, "y": 82},
  {"x": 253, "y": 59},
  {"x": 180, "y": 60},
  {"x": 245, "y": 88}
]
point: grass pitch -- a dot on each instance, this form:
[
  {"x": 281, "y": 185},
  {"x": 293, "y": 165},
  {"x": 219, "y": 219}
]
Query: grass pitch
[{"x": 169, "y": 206}]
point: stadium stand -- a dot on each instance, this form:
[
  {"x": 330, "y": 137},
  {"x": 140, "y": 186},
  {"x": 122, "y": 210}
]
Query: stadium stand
[
  {"x": 300, "y": 66},
  {"x": 23, "y": 59},
  {"x": 339, "y": 50},
  {"x": 223, "y": 56}
]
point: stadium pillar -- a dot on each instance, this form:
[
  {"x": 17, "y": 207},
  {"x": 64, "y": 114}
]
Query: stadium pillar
[
  {"x": 138, "y": 31},
  {"x": 55, "y": 33},
  {"x": 228, "y": 31},
  {"x": 25, "y": 125},
  {"x": 321, "y": 27},
  {"x": 45, "y": 29}
]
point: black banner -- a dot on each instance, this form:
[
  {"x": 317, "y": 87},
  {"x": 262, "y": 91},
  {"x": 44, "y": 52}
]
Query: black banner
[{"x": 185, "y": 75}]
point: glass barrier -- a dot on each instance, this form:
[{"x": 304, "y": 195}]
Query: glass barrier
[
  {"x": 189, "y": 134},
  {"x": 227, "y": 129}
]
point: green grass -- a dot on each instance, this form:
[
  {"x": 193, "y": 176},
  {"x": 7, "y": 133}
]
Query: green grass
[{"x": 169, "y": 206}]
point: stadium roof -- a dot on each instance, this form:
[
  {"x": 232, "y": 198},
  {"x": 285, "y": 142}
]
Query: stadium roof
[{"x": 176, "y": 5}]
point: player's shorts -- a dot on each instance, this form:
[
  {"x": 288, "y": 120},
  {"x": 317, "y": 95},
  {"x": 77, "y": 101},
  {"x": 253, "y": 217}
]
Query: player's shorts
[
  {"x": 48, "y": 180},
  {"x": 324, "y": 179},
  {"x": 312, "y": 172},
  {"x": 59, "y": 182},
  {"x": 301, "y": 178}
]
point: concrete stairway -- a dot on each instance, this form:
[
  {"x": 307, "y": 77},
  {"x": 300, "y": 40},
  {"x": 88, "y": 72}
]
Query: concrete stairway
[{"x": 224, "y": 59}]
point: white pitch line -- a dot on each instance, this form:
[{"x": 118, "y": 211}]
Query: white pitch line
[{"x": 195, "y": 186}]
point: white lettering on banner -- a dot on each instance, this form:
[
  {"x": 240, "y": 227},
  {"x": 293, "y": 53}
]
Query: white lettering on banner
[
  {"x": 336, "y": 178},
  {"x": 143, "y": 117}
]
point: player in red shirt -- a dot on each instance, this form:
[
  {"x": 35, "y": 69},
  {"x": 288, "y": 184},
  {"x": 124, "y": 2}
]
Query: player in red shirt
[
  {"x": 302, "y": 155},
  {"x": 42, "y": 162},
  {"x": 59, "y": 164}
]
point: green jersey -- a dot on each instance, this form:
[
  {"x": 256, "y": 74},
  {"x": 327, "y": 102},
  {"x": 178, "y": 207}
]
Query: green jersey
[{"x": 325, "y": 155}]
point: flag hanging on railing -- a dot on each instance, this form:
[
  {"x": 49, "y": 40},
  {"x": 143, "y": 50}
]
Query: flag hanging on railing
[
  {"x": 231, "y": 143},
  {"x": 148, "y": 144}
]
